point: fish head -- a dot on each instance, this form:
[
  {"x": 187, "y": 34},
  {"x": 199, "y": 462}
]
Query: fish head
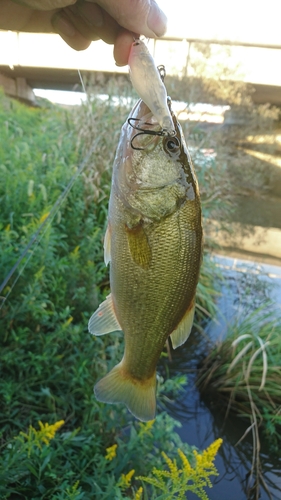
[{"x": 153, "y": 173}]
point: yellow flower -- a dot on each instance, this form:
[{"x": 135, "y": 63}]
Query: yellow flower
[
  {"x": 145, "y": 427},
  {"x": 75, "y": 253},
  {"x": 175, "y": 482},
  {"x": 212, "y": 450},
  {"x": 138, "y": 494},
  {"x": 111, "y": 452},
  {"x": 36, "y": 438},
  {"x": 44, "y": 217},
  {"x": 47, "y": 432},
  {"x": 67, "y": 322},
  {"x": 125, "y": 480},
  {"x": 186, "y": 465},
  {"x": 172, "y": 466},
  {"x": 73, "y": 489},
  {"x": 205, "y": 460}
]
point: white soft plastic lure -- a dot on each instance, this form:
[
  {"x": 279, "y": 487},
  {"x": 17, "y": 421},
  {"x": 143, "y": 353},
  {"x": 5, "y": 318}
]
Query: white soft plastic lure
[{"x": 149, "y": 86}]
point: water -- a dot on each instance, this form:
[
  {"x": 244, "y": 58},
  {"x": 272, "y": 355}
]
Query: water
[
  {"x": 247, "y": 286},
  {"x": 203, "y": 420}
]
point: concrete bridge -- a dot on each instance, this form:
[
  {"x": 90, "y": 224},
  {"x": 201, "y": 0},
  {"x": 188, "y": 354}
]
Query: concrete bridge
[{"x": 30, "y": 61}]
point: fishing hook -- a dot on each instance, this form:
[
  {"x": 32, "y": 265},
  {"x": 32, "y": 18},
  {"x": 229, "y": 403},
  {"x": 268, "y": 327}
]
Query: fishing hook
[
  {"x": 162, "y": 71},
  {"x": 143, "y": 131}
]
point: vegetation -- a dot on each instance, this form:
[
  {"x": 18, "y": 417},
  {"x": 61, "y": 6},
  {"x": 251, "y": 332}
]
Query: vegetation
[
  {"x": 243, "y": 371},
  {"x": 57, "y": 441}
]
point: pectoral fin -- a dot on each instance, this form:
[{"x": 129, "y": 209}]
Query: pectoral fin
[
  {"x": 139, "y": 246},
  {"x": 182, "y": 332},
  {"x": 104, "y": 319},
  {"x": 107, "y": 245}
]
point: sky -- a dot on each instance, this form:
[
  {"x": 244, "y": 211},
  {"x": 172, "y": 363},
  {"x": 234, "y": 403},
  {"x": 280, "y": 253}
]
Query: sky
[{"x": 248, "y": 20}]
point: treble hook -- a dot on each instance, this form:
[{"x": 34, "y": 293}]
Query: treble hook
[
  {"x": 162, "y": 71},
  {"x": 143, "y": 131}
]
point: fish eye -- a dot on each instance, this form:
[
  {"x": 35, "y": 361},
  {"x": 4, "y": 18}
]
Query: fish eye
[{"x": 171, "y": 144}]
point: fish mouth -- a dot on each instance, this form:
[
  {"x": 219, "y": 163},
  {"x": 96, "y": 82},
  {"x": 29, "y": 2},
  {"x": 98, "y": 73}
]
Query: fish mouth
[
  {"x": 142, "y": 113},
  {"x": 145, "y": 130}
]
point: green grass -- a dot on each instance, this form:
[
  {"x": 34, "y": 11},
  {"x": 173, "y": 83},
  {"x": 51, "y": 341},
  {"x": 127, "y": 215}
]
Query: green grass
[
  {"x": 245, "y": 370},
  {"x": 48, "y": 361}
]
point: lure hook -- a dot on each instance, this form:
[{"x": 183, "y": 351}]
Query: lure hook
[
  {"x": 162, "y": 71},
  {"x": 160, "y": 133}
]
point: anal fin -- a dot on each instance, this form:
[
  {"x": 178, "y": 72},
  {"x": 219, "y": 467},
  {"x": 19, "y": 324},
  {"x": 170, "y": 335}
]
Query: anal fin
[
  {"x": 182, "y": 332},
  {"x": 104, "y": 319}
]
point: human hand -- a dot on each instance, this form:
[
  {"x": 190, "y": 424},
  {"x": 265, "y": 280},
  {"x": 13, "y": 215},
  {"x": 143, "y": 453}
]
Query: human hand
[{"x": 79, "y": 22}]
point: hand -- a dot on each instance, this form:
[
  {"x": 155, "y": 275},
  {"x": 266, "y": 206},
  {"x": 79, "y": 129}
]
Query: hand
[{"x": 79, "y": 22}]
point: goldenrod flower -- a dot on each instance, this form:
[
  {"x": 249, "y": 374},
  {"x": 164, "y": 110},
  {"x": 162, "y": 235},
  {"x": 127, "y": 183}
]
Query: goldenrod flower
[
  {"x": 206, "y": 458},
  {"x": 75, "y": 252},
  {"x": 72, "y": 490},
  {"x": 172, "y": 466},
  {"x": 111, "y": 452},
  {"x": 44, "y": 217},
  {"x": 44, "y": 435},
  {"x": 67, "y": 322},
  {"x": 186, "y": 465},
  {"x": 176, "y": 481},
  {"x": 145, "y": 427},
  {"x": 138, "y": 494},
  {"x": 125, "y": 480},
  {"x": 210, "y": 453},
  {"x": 47, "y": 432}
]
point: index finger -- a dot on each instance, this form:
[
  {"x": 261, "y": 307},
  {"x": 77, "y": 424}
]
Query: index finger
[{"x": 140, "y": 16}]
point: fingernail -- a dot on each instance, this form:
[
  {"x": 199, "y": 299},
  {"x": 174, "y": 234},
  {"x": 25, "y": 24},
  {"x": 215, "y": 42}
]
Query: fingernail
[
  {"x": 63, "y": 26},
  {"x": 91, "y": 13},
  {"x": 157, "y": 20}
]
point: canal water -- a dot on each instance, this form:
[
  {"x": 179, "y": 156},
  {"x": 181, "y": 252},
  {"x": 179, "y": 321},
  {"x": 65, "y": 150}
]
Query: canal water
[{"x": 246, "y": 285}]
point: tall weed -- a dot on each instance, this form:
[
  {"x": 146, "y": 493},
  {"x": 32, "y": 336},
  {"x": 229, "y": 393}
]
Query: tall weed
[{"x": 48, "y": 361}]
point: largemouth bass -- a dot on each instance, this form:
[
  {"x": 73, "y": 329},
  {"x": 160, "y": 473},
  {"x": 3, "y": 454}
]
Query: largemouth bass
[{"x": 154, "y": 243}]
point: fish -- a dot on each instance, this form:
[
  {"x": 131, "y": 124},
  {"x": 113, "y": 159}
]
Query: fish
[
  {"x": 148, "y": 84},
  {"x": 153, "y": 243}
]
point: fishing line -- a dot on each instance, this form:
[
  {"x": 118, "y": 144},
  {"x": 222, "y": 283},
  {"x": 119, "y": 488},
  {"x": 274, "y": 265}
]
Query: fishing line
[
  {"x": 34, "y": 238},
  {"x": 82, "y": 83},
  {"x": 85, "y": 91}
]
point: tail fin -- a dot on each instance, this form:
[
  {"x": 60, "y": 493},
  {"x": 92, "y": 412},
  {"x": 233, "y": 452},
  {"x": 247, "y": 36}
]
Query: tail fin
[{"x": 139, "y": 396}]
